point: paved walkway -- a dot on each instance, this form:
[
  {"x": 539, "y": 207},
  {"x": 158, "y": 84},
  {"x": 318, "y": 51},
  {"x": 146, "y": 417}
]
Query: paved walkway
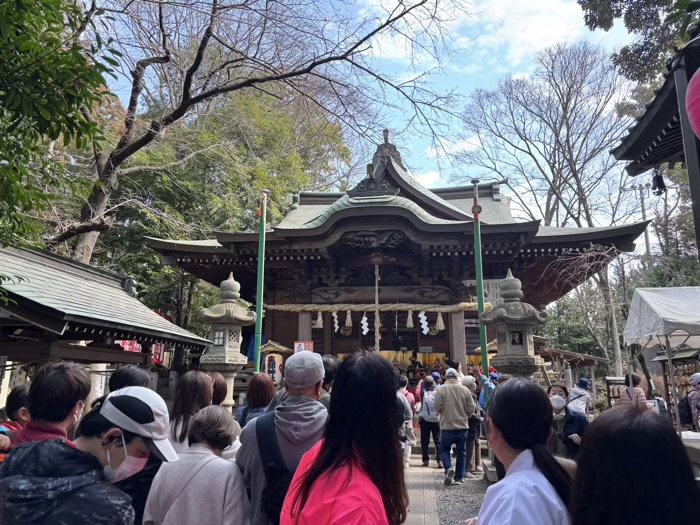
[{"x": 422, "y": 506}]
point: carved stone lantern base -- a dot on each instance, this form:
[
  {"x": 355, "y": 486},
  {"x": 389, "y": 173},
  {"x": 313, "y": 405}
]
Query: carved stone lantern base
[{"x": 520, "y": 365}]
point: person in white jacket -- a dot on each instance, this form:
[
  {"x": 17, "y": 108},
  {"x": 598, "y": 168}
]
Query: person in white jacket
[
  {"x": 535, "y": 489},
  {"x": 202, "y": 487}
]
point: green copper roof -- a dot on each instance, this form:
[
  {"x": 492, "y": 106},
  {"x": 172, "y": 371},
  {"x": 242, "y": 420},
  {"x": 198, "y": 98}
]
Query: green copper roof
[
  {"x": 80, "y": 294},
  {"x": 391, "y": 201}
]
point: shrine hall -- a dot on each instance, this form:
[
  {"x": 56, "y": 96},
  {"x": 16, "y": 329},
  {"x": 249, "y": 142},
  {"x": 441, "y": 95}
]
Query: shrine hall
[{"x": 392, "y": 250}]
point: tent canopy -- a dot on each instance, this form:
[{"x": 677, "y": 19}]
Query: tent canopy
[{"x": 659, "y": 312}]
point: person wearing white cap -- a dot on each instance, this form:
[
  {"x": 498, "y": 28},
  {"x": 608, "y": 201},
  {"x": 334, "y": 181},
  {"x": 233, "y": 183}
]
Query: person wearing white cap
[
  {"x": 694, "y": 400},
  {"x": 283, "y": 436},
  {"x": 455, "y": 405},
  {"x": 52, "y": 481}
]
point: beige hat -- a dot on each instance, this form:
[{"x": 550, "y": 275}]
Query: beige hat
[{"x": 303, "y": 369}]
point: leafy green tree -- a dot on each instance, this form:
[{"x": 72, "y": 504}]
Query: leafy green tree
[
  {"x": 49, "y": 76},
  {"x": 659, "y": 25},
  {"x": 183, "y": 58},
  {"x": 249, "y": 143}
]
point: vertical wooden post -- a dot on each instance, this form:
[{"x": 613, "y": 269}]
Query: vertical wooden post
[
  {"x": 327, "y": 333},
  {"x": 458, "y": 340},
  {"x": 691, "y": 145},
  {"x": 594, "y": 391},
  {"x": 304, "y": 326}
]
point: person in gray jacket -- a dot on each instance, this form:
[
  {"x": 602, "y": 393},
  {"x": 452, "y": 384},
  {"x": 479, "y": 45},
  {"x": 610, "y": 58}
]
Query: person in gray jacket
[{"x": 299, "y": 422}]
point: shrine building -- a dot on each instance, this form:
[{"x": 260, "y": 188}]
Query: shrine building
[{"x": 393, "y": 245}]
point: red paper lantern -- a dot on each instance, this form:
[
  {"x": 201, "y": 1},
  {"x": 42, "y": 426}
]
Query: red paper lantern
[{"x": 692, "y": 103}]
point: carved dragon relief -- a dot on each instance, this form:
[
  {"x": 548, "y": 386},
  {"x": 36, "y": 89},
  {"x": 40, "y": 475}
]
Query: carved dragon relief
[{"x": 373, "y": 239}]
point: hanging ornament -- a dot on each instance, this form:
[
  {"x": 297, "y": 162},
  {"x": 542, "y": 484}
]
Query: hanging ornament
[
  {"x": 439, "y": 324},
  {"x": 319, "y": 320},
  {"x": 348, "y": 320},
  {"x": 424, "y": 323},
  {"x": 692, "y": 103},
  {"x": 364, "y": 323},
  {"x": 409, "y": 320},
  {"x": 336, "y": 325}
]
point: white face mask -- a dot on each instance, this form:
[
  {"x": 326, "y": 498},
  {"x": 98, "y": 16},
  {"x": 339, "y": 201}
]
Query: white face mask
[
  {"x": 130, "y": 466},
  {"x": 558, "y": 402}
]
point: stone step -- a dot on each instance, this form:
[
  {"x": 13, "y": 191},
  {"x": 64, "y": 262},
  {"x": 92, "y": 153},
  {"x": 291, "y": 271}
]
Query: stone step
[{"x": 490, "y": 474}]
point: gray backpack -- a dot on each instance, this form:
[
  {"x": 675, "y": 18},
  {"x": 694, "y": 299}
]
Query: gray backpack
[{"x": 427, "y": 410}]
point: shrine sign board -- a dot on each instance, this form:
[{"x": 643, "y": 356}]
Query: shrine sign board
[{"x": 303, "y": 346}]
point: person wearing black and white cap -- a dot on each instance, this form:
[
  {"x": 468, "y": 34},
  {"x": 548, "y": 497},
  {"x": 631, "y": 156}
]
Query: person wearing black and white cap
[
  {"x": 50, "y": 482},
  {"x": 292, "y": 428}
]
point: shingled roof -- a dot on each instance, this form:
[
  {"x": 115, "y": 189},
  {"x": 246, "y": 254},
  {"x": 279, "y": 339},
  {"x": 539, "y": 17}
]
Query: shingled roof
[{"x": 81, "y": 298}]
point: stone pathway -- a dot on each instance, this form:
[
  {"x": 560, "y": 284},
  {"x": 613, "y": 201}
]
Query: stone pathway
[
  {"x": 422, "y": 506},
  {"x": 432, "y": 503}
]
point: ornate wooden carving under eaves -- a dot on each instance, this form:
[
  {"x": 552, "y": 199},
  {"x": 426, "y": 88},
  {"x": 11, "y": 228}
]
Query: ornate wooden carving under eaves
[
  {"x": 373, "y": 239},
  {"x": 373, "y": 186}
]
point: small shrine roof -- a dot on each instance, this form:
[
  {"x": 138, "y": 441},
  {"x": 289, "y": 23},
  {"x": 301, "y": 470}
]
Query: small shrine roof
[{"x": 77, "y": 297}]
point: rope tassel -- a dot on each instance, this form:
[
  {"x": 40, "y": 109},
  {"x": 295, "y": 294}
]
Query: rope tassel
[
  {"x": 319, "y": 320},
  {"x": 409, "y": 320},
  {"x": 439, "y": 324},
  {"x": 348, "y": 320}
]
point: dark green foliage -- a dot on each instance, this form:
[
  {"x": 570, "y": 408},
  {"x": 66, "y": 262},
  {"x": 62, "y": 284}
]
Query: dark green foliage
[
  {"x": 659, "y": 25},
  {"x": 47, "y": 75}
]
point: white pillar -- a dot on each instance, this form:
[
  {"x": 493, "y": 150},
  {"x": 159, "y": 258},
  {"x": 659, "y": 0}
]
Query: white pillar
[
  {"x": 98, "y": 382},
  {"x": 5, "y": 385}
]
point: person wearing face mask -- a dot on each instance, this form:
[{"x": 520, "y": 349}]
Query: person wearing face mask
[
  {"x": 50, "y": 482},
  {"x": 568, "y": 426}
]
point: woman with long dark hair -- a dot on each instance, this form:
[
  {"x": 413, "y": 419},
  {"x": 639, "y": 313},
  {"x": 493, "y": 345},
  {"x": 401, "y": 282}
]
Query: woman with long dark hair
[
  {"x": 624, "y": 448},
  {"x": 535, "y": 489},
  {"x": 193, "y": 393},
  {"x": 354, "y": 476}
]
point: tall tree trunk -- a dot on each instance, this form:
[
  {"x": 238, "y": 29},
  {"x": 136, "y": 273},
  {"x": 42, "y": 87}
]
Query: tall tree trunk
[
  {"x": 612, "y": 322},
  {"x": 191, "y": 294},
  {"x": 95, "y": 206}
]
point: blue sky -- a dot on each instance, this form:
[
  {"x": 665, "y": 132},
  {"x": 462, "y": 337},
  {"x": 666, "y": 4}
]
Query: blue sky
[{"x": 494, "y": 38}]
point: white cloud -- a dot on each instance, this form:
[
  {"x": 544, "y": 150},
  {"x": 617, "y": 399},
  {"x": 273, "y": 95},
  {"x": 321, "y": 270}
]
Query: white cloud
[
  {"x": 430, "y": 179},
  {"x": 453, "y": 148},
  {"x": 520, "y": 76},
  {"x": 521, "y": 29}
]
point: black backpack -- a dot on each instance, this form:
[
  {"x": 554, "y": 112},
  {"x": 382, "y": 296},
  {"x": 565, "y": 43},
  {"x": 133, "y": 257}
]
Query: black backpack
[
  {"x": 277, "y": 476},
  {"x": 685, "y": 412}
]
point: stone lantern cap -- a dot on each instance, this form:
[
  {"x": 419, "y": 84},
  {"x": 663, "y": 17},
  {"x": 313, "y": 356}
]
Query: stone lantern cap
[
  {"x": 228, "y": 311},
  {"x": 513, "y": 310}
]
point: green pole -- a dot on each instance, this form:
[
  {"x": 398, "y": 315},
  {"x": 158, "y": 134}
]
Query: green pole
[
  {"x": 476, "y": 210},
  {"x": 261, "y": 279}
]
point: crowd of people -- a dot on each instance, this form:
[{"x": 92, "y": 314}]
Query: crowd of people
[{"x": 331, "y": 447}]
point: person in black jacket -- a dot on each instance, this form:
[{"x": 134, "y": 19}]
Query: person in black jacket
[
  {"x": 57, "y": 482},
  {"x": 568, "y": 426},
  {"x": 51, "y": 483}
]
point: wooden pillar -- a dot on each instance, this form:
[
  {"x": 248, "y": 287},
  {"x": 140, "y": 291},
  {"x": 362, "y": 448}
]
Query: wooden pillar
[
  {"x": 691, "y": 145},
  {"x": 327, "y": 333},
  {"x": 305, "y": 326},
  {"x": 593, "y": 388},
  {"x": 458, "y": 340}
]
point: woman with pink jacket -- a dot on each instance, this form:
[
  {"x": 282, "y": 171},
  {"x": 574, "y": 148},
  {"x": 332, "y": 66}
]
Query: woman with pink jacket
[{"x": 354, "y": 476}]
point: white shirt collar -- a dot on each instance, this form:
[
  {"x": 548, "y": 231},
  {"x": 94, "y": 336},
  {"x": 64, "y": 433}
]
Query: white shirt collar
[{"x": 522, "y": 462}]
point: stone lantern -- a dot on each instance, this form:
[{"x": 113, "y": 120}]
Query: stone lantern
[
  {"x": 515, "y": 321},
  {"x": 226, "y": 319}
]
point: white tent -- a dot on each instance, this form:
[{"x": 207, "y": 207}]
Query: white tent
[
  {"x": 667, "y": 316},
  {"x": 660, "y": 312}
]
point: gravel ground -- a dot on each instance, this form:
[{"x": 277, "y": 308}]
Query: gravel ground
[{"x": 457, "y": 503}]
